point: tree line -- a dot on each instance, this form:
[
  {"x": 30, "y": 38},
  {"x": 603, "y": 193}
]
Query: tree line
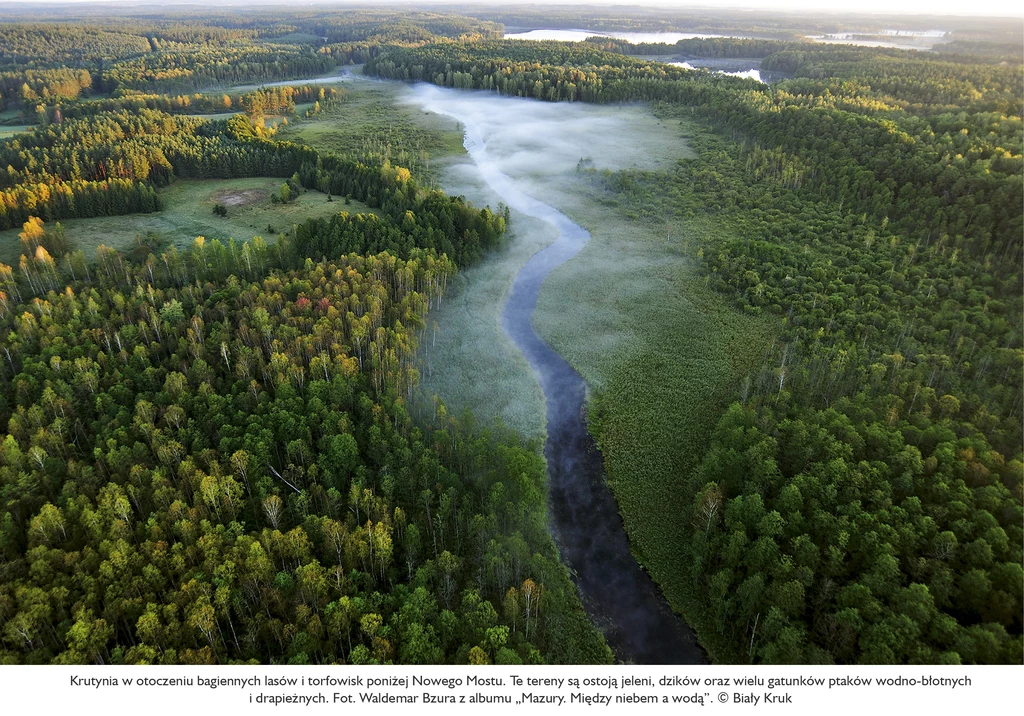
[
  {"x": 891, "y": 164},
  {"x": 44, "y": 61}
]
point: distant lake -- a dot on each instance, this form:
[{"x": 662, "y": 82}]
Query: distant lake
[
  {"x": 751, "y": 74},
  {"x": 749, "y": 67},
  {"x": 670, "y": 38},
  {"x": 898, "y": 39}
]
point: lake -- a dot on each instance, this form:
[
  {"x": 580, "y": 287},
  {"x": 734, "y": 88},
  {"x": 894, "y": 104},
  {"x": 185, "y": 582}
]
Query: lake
[
  {"x": 896, "y": 39},
  {"x": 670, "y": 38}
]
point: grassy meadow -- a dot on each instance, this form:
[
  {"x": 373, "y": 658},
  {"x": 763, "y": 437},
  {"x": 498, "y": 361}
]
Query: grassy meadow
[
  {"x": 11, "y": 130},
  {"x": 188, "y": 213},
  {"x": 189, "y": 206},
  {"x": 372, "y": 115},
  {"x": 466, "y": 358}
]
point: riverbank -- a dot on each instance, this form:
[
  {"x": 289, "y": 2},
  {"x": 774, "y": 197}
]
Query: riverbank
[
  {"x": 484, "y": 373},
  {"x": 663, "y": 355},
  {"x": 660, "y": 352},
  {"x": 585, "y": 523}
]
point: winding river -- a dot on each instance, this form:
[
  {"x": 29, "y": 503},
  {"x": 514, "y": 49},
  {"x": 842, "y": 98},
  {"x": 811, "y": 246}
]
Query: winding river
[{"x": 619, "y": 596}]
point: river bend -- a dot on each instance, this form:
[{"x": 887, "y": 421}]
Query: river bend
[{"x": 618, "y": 595}]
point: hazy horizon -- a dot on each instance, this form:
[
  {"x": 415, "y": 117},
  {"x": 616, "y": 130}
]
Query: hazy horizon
[{"x": 991, "y": 8}]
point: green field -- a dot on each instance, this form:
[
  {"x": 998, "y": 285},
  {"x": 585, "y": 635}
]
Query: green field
[
  {"x": 328, "y": 78},
  {"x": 371, "y": 117},
  {"x": 189, "y": 213},
  {"x": 10, "y": 130},
  {"x": 270, "y": 120},
  {"x": 214, "y": 116}
]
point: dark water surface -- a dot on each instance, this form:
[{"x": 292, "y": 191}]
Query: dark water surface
[{"x": 618, "y": 595}]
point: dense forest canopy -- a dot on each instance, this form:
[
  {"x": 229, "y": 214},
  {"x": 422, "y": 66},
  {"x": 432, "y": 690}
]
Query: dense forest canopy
[
  {"x": 48, "y": 61},
  {"x": 210, "y": 455},
  {"x": 231, "y": 472},
  {"x": 862, "y": 502},
  {"x": 213, "y": 462}
]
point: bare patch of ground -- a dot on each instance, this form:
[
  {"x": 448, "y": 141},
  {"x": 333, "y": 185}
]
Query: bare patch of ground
[{"x": 233, "y": 197}]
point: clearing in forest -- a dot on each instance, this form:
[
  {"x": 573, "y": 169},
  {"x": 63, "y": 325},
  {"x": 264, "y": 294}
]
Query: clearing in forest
[{"x": 188, "y": 213}]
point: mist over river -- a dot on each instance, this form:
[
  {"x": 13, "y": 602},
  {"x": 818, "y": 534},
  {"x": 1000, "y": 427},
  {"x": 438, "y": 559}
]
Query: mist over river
[{"x": 512, "y": 142}]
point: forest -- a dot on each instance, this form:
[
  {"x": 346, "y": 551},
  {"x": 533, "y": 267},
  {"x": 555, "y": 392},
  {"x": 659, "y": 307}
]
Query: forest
[
  {"x": 212, "y": 463},
  {"x": 215, "y": 455},
  {"x": 861, "y": 503},
  {"x": 231, "y": 472}
]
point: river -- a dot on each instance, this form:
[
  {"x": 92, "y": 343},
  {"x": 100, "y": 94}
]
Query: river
[{"x": 618, "y": 595}]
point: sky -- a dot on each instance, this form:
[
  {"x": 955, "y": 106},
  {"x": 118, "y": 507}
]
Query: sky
[{"x": 999, "y": 8}]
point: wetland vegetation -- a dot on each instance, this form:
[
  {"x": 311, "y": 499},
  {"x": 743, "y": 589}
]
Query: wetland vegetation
[{"x": 796, "y": 311}]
